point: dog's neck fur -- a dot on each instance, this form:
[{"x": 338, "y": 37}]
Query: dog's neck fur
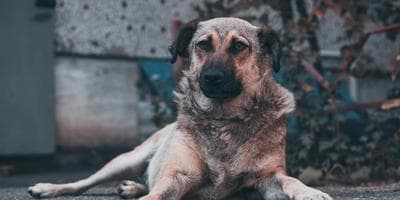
[{"x": 250, "y": 115}]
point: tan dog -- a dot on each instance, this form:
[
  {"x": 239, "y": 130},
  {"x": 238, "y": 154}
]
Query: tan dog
[{"x": 229, "y": 139}]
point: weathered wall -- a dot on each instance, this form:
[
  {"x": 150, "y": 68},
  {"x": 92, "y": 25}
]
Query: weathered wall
[
  {"x": 97, "y": 102},
  {"x": 371, "y": 89},
  {"x": 135, "y": 29},
  {"x": 118, "y": 27},
  {"x": 142, "y": 28},
  {"x": 378, "y": 46},
  {"x": 97, "y": 98}
]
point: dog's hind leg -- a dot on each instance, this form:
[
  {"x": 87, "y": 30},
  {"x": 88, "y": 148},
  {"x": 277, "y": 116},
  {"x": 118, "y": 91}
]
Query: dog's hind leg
[{"x": 133, "y": 162}]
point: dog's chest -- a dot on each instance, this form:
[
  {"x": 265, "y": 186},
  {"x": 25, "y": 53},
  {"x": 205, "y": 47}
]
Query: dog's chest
[
  {"x": 227, "y": 163},
  {"x": 220, "y": 145},
  {"x": 222, "y": 140},
  {"x": 226, "y": 174},
  {"x": 223, "y": 179}
]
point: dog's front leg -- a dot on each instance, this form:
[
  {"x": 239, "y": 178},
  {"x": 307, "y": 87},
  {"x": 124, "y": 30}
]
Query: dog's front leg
[
  {"x": 173, "y": 185},
  {"x": 174, "y": 171},
  {"x": 271, "y": 190},
  {"x": 133, "y": 163},
  {"x": 292, "y": 188},
  {"x": 127, "y": 162}
]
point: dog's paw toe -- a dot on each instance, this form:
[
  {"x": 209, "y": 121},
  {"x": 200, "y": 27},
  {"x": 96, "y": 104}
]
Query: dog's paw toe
[
  {"x": 131, "y": 189},
  {"x": 47, "y": 190},
  {"x": 42, "y": 190}
]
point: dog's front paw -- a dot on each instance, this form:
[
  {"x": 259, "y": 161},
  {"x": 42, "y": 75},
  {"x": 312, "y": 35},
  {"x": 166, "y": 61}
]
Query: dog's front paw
[
  {"x": 308, "y": 193},
  {"x": 48, "y": 190},
  {"x": 131, "y": 189}
]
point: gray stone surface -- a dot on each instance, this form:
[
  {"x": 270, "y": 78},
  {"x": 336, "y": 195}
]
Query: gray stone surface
[
  {"x": 96, "y": 102},
  {"x": 330, "y": 30},
  {"x": 370, "y": 89},
  {"x": 15, "y": 187},
  {"x": 119, "y": 27},
  {"x": 100, "y": 193},
  {"x": 146, "y": 114},
  {"x": 20, "y": 193},
  {"x": 143, "y": 28},
  {"x": 380, "y": 48},
  {"x": 127, "y": 27}
]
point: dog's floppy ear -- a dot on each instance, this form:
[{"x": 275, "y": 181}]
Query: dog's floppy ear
[
  {"x": 180, "y": 46},
  {"x": 270, "y": 43}
]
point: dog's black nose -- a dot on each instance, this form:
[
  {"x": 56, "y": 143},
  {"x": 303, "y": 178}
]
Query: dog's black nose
[
  {"x": 219, "y": 82},
  {"x": 214, "y": 75}
]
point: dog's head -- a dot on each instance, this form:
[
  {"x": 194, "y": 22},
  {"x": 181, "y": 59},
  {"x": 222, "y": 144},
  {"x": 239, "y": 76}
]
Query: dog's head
[{"x": 227, "y": 56}]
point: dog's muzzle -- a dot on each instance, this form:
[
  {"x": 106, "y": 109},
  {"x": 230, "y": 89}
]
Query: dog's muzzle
[{"x": 217, "y": 82}]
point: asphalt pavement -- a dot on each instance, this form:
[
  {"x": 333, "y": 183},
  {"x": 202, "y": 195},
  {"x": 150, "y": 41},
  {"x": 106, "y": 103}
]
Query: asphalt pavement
[
  {"x": 15, "y": 188},
  {"x": 109, "y": 193}
]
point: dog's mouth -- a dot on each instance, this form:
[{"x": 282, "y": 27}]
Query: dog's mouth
[
  {"x": 218, "y": 83},
  {"x": 221, "y": 94}
]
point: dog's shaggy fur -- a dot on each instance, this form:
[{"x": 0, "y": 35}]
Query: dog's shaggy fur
[{"x": 229, "y": 138}]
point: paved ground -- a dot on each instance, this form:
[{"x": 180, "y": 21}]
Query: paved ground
[
  {"x": 364, "y": 193},
  {"x": 109, "y": 193},
  {"x": 15, "y": 188}
]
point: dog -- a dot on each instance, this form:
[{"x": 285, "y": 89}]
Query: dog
[{"x": 228, "y": 141}]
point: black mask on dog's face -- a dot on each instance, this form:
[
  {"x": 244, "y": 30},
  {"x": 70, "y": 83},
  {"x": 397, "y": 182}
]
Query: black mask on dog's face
[{"x": 219, "y": 82}]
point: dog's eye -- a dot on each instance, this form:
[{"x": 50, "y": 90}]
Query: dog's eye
[
  {"x": 238, "y": 47},
  {"x": 204, "y": 45}
]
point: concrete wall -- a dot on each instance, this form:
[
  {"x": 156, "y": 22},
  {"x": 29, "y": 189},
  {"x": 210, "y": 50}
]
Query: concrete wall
[
  {"x": 378, "y": 46},
  {"x": 97, "y": 103},
  {"x": 143, "y": 28},
  {"x": 98, "y": 43},
  {"x": 118, "y": 27},
  {"x": 371, "y": 89},
  {"x": 133, "y": 29}
]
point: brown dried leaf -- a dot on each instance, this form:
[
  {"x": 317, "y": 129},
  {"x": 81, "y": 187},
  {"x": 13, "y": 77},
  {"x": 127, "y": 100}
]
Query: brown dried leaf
[
  {"x": 307, "y": 88},
  {"x": 310, "y": 175},
  {"x": 396, "y": 137},
  {"x": 390, "y": 104},
  {"x": 361, "y": 174},
  {"x": 394, "y": 66},
  {"x": 320, "y": 13}
]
